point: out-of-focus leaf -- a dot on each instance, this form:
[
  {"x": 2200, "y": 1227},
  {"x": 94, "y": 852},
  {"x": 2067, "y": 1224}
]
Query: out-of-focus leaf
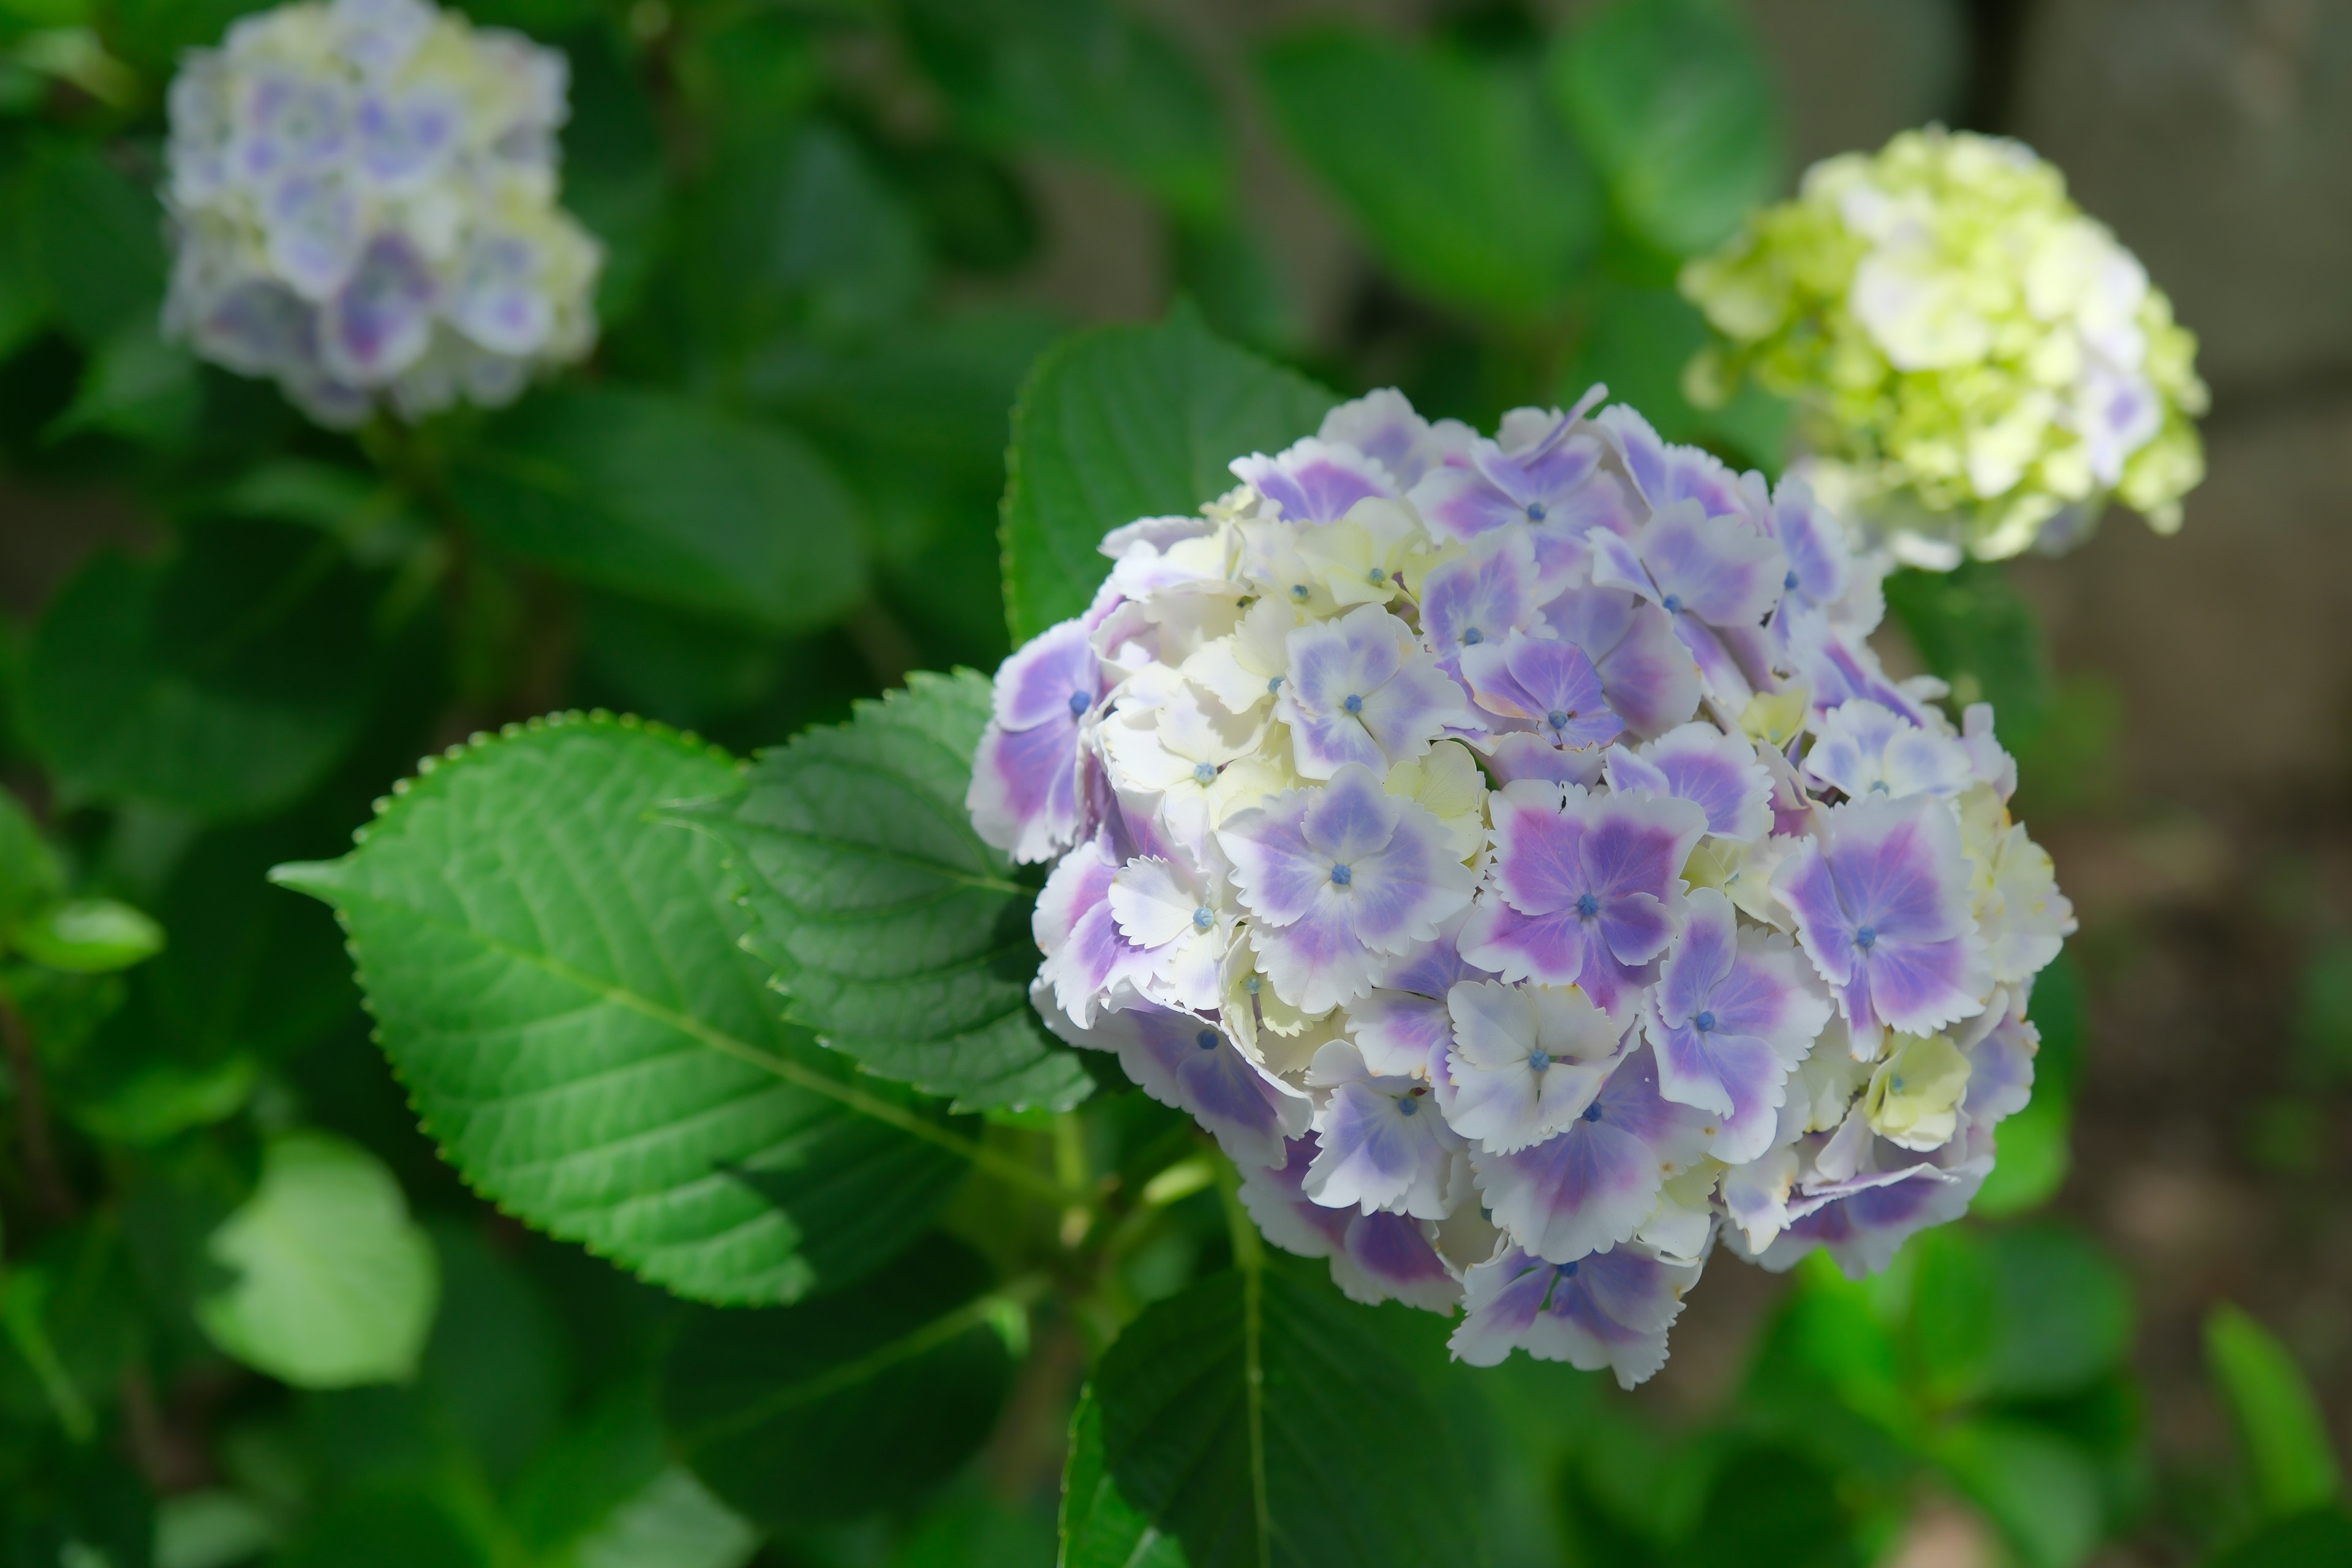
[
  {"x": 152, "y": 34},
  {"x": 1123, "y": 423},
  {"x": 96, "y": 237},
  {"x": 2061, "y": 1014},
  {"x": 648, "y": 494},
  {"x": 1675, "y": 102},
  {"x": 1457, "y": 173},
  {"x": 900, "y": 937},
  {"x": 1223, "y": 269},
  {"x": 89, "y": 936},
  {"x": 2323, "y": 1014},
  {"x": 493, "y": 1363},
  {"x": 1100, "y": 1528},
  {"x": 217, "y": 1528},
  {"x": 2017, "y": 1313},
  {"x": 2034, "y": 1152},
  {"x": 1770, "y": 1508},
  {"x": 1258, "y": 1420},
  {"x": 2288, "y": 1454},
  {"x": 137, "y": 386},
  {"x": 856, "y": 1401},
  {"x": 224, "y": 680},
  {"x": 2038, "y": 1489},
  {"x": 1083, "y": 78},
  {"x": 24, "y": 287},
  {"x": 793, "y": 231},
  {"x": 613, "y": 174},
  {"x": 2321, "y": 1538},
  {"x": 673, "y": 1522},
  {"x": 556, "y": 982},
  {"x": 334, "y": 1285},
  {"x": 30, "y": 874},
  {"x": 1971, "y": 627},
  {"x": 70, "y": 1323},
  {"x": 388, "y": 1529},
  {"x": 1636, "y": 340}
]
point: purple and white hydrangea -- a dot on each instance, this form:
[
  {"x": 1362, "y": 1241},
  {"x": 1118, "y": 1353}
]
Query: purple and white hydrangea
[
  {"x": 1725, "y": 935},
  {"x": 362, "y": 200}
]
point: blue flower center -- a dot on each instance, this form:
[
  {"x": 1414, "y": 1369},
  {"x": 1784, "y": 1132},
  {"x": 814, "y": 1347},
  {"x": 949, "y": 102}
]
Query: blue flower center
[
  {"x": 1789, "y": 584},
  {"x": 1472, "y": 636},
  {"x": 1353, "y": 703},
  {"x": 1672, "y": 602},
  {"x": 1274, "y": 685},
  {"x": 1376, "y": 576},
  {"x": 1251, "y": 984},
  {"x": 1896, "y": 1083},
  {"x": 1205, "y": 917},
  {"x": 1204, "y": 772},
  {"x": 1079, "y": 703},
  {"x": 1539, "y": 1061},
  {"x": 1866, "y": 938},
  {"x": 1206, "y": 1040},
  {"x": 1592, "y": 1113},
  {"x": 1565, "y": 1271},
  {"x": 1588, "y": 906},
  {"x": 1298, "y": 591},
  {"x": 1704, "y": 1022},
  {"x": 1342, "y": 875},
  {"x": 1558, "y": 718},
  {"x": 1535, "y": 512},
  {"x": 1408, "y": 1106}
]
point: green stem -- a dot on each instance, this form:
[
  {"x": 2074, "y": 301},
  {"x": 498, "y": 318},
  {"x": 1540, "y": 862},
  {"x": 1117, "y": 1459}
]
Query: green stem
[{"x": 1249, "y": 1257}]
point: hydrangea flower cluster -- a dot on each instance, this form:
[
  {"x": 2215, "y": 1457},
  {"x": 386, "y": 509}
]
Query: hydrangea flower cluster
[
  {"x": 1977, "y": 366},
  {"x": 1513, "y": 854},
  {"x": 363, "y": 206}
]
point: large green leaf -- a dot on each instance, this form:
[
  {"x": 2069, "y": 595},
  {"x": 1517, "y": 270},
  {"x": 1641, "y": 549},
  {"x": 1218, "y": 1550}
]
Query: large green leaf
[
  {"x": 1458, "y": 174},
  {"x": 1972, "y": 628},
  {"x": 96, "y": 238},
  {"x": 1127, "y": 422},
  {"x": 1083, "y": 78},
  {"x": 900, "y": 937},
  {"x": 653, "y": 495},
  {"x": 224, "y": 680},
  {"x": 1100, "y": 1528},
  {"x": 334, "y": 1284},
  {"x": 2291, "y": 1461},
  {"x": 840, "y": 1405},
  {"x": 1259, "y": 1417},
  {"x": 558, "y": 983},
  {"x": 1676, "y": 102}
]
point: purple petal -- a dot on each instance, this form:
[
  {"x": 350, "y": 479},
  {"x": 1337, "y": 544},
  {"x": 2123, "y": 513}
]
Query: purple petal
[
  {"x": 1314, "y": 481},
  {"x": 381, "y": 320},
  {"x": 1717, "y": 773},
  {"x": 1390, "y": 1257},
  {"x": 1480, "y": 597},
  {"x": 1189, "y": 1063},
  {"x": 1646, "y": 673}
]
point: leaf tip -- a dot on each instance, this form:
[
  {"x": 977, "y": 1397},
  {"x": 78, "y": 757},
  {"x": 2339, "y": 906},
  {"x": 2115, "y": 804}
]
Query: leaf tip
[{"x": 320, "y": 878}]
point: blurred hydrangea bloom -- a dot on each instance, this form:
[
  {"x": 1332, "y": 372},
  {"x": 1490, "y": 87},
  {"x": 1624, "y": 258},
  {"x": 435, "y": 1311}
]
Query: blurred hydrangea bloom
[
  {"x": 1977, "y": 367},
  {"x": 1513, "y": 854},
  {"x": 363, "y": 206}
]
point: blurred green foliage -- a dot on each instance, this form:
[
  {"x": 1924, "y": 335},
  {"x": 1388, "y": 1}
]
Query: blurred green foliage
[{"x": 252, "y": 1311}]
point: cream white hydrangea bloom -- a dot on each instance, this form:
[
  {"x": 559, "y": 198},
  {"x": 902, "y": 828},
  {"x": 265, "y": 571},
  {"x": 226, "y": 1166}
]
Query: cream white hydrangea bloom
[
  {"x": 364, "y": 204},
  {"x": 1978, "y": 366}
]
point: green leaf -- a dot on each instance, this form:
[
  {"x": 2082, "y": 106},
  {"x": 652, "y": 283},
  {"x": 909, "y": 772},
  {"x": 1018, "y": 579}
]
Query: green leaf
[
  {"x": 2038, "y": 1489},
  {"x": 1971, "y": 627},
  {"x": 559, "y": 984},
  {"x": 1083, "y": 78},
  {"x": 96, "y": 236},
  {"x": 30, "y": 872},
  {"x": 850, "y": 1402},
  {"x": 1675, "y": 102},
  {"x": 2035, "y": 1151},
  {"x": 2276, "y": 1415},
  {"x": 650, "y": 494},
  {"x": 1100, "y": 1528},
  {"x": 224, "y": 680},
  {"x": 89, "y": 936},
  {"x": 335, "y": 1284},
  {"x": 1459, "y": 177},
  {"x": 1636, "y": 341},
  {"x": 1258, "y": 1417},
  {"x": 137, "y": 386},
  {"x": 902, "y": 937},
  {"x": 2017, "y": 1314},
  {"x": 388, "y": 1529},
  {"x": 2321, "y": 1538},
  {"x": 1122, "y": 423},
  {"x": 673, "y": 1522}
]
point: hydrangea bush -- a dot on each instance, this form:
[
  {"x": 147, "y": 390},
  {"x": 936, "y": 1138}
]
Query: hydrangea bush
[
  {"x": 363, "y": 203},
  {"x": 1978, "y": 366},
  {"x": 1512, "y": 851}
]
